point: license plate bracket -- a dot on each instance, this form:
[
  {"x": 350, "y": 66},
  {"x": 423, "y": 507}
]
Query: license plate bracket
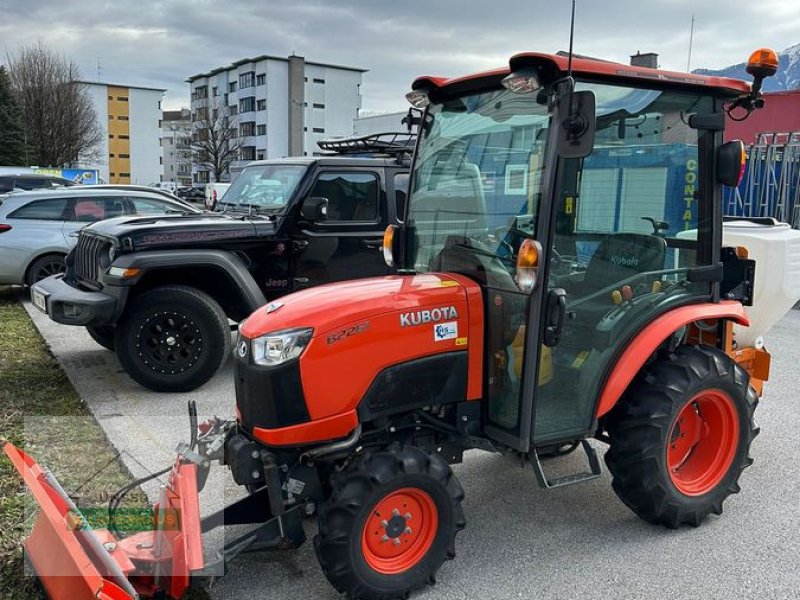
[{"x": 39, "y": 300}]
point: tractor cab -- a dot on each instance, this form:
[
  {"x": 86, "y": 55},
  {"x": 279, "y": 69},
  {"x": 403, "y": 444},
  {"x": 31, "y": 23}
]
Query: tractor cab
[{"x": 563, "y": 199}]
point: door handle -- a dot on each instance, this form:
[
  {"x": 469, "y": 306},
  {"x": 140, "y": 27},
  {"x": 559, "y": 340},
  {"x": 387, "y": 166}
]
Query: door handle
[
  {"x": 373, "y": 244},
  {"x": 74, "y": 233},
  {"x": 299, "y": 245},
  {"x": 555, "y": 313}
]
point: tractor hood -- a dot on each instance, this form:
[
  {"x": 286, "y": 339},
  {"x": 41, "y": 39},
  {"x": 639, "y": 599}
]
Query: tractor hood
[
  {"x": 157, "y": 232},
  {"x": 331, "y": 307}
]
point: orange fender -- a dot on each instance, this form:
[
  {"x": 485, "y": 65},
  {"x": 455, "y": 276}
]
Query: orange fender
[{"x": 652, "y": 336}]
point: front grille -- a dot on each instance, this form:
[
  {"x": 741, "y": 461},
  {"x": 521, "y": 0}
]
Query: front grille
[{"x": 87, "y": 256}]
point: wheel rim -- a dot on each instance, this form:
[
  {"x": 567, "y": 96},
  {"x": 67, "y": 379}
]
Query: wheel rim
[
  {"x": 169, "y": 343},
  {"x": 399, "y": 531},
  {"x": 50, "y": 268},
  {"x": 703, "y": 443}
]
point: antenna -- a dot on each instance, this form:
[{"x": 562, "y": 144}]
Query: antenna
[
  {"x": 691, "y": 38},
  {"x": 571, "y": 41}
]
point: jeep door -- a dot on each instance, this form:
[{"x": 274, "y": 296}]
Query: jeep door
[{"x": 346, "y": 245}]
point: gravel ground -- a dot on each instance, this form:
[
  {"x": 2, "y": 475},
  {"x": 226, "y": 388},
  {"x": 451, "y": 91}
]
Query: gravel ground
[{"x": 520, "y": 541}]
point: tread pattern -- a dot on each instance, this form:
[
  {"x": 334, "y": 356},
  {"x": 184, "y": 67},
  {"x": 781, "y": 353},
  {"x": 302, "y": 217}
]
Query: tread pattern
[
  {"x": 355, "y": 491},
  {"x": 641, "y": 423}
]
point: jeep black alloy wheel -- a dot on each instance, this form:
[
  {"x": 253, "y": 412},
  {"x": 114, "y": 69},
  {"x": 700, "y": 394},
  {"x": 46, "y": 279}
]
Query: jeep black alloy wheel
[
  {"x": 389, "y": 524},
  {"x": 173, "y": 338}
]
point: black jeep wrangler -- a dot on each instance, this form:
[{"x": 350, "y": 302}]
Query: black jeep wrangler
[{"x": 161, "y": 291}]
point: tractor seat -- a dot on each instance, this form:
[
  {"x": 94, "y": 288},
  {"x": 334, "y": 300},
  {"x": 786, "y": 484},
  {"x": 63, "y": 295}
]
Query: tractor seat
[{"x": 620, "y": 256}]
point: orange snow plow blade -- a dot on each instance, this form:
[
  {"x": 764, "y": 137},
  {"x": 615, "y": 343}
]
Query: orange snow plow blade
[{"x": 75, "y": 562}]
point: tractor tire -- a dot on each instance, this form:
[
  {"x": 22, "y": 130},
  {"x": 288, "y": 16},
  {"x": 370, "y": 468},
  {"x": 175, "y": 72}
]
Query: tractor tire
[
  {"x": 172, "y": 338},
  {"x": 103, "y": 335},
  {"x": 389, "y": 523},
  {"x": 680, "y": 436},
  {"x": 43, "y": 267}
]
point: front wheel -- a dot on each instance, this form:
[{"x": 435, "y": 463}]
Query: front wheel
[
  {"x": 389, "y": 524},
  {"x": 680, "y": 437},
  {"x": 103, "y": 335},
  {"x": 172, "y": 338}
]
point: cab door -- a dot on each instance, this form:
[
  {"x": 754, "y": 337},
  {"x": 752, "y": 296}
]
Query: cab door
[{"x": 347, "y": 244}]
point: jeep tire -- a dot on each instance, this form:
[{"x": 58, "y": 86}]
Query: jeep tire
[{"x": 172, "y": 338}]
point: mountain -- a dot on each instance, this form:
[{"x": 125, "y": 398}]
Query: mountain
[{"x": 787, "y": 77}]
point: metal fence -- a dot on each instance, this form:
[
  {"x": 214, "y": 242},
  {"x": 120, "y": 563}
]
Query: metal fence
[{"x": 771, "y": 183}]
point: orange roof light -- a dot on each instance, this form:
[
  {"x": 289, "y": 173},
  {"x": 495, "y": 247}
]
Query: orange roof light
[{"x": 763, "y": 63}]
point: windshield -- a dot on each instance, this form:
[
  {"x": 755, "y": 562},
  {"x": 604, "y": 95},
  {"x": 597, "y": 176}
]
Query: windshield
[
  {"x": 267, "y": 187},
  {"x": 477, "y": 176}
]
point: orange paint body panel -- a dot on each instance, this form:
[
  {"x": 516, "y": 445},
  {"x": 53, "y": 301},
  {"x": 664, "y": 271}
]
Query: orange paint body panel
[
  {"x": 592, "y": 68},
  {"x": 652, "y": 336},
  {"x": 397, "y": 315},
  {"x": 323, "y": 430}
]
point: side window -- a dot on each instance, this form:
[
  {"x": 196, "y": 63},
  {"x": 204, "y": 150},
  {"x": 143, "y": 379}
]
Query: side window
[
  {"x": 351, "y": 196},
  {"x": 52, "y": 209},
  {"x": 6, "y": 184},
  {"x": 32, "y": 183},
  {"x": 148, "y": 206},
  {"x": 89, "y": 210},
  {"x": 400, "y": 194}
]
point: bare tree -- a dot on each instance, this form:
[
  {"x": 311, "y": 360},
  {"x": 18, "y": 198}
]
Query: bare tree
[
  {"x": 61, "y": 125},
  {"x": 215, "y": 138}
]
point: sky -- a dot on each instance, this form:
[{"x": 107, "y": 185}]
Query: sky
[{"x": 160, "y": 43}]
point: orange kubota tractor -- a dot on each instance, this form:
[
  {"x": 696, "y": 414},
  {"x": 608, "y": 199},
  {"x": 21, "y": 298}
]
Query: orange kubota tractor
[{"x": 544, "y": 298}]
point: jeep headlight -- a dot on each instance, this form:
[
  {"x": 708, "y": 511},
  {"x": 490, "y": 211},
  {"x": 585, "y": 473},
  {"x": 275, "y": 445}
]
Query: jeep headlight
[{"x": 281, "y": 346}]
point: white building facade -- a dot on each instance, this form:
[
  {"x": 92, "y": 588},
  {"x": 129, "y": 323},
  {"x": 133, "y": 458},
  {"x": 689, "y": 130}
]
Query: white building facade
[
  {"x": 130, "y": 118},
  {"x": 176, "y": 145},
  {"x": 279, "y": 106}
]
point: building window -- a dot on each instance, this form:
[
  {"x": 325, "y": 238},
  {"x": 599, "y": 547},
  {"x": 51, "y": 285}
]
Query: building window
[
  {"x": 248, "y": 153},
  {"x": 122, "y": 98},
  {"x": 111, "y": 97},
  {"x": 247, "y": 80},
  {"x": 248, "y": 128},
  {"x": 200, "y": 93},
  {"x": 123, "y": 136},
  {"x": 232, "y": 86},
  {"x": 110, "y": 116},
  {"x": 111, "y": 155},
  {"x": 226, "y": 99},
  {"x": 261, "y": 79},
  {"x": 261, "y": 130},
  {"x": 247, "y": 104},
  {"x": 112, "y": 174},
  {"x": 233, "y": 109},
  {"x": 261, "y": 104},
  {"x": 318, "y": 130},
  {"x": 122, "y": 118},
  {"x": 315, "y": 80},
  {"x": 124, "y": 155},
  {"x": 124, "y": 174},
  {"x": 260, "y": 154},
  {"x": 319, "y": 106},
  {"x": 214, "y": 91},
  {"x": 111, "y": 136}
]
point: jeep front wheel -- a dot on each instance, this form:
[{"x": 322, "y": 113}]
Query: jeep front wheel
[{"x": 173, "y": 338}]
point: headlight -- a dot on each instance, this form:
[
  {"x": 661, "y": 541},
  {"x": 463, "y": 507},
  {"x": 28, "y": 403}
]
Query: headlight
[{"x": 281, "y": 346}]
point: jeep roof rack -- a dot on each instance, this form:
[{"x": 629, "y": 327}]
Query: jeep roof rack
[{"x": 374, "y": 144}]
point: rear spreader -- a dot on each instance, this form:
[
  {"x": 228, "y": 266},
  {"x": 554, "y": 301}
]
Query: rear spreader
[{"x": 534, "y": 311}]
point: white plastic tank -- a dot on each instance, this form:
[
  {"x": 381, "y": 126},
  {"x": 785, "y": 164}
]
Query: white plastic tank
[{"x": 776, "y": 250}]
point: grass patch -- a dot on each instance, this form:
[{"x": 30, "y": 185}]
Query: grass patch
[{"x": 41, "y": 412}]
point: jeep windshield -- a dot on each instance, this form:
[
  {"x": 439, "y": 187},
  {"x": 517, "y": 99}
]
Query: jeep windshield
[
  {"x": 477, "y": 175},
  {"x": 263, "y": 188}
]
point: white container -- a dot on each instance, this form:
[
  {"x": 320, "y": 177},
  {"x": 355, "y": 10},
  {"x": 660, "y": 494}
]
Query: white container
[{"x": 776, "y": 250}]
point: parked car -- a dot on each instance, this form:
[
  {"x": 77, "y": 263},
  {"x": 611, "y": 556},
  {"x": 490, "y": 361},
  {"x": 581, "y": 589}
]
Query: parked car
[
  {"x": 38, "y": 229},
  {"x": 192, "y": 194},
  {"x": 142, "y": 188},
  {"x": 162, "y": 291},
  {"x": 214, "y": 193},
  {"x": 30, "y": 181}
]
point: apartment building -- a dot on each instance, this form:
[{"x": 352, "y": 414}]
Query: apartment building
[
  {"x": 130, "y": 119},
  {"x": 276, "y": 106},
  {"x": 176, "y": 146}
]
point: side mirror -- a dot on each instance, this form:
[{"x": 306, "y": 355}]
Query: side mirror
[
  {"x": 314, "y": 209},
  {"x": 731, "y": 161},
  {"x": 578, "y": 124}
]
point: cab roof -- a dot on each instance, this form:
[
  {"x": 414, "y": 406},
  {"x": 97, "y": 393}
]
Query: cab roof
[{"x": 552, "y": 67}]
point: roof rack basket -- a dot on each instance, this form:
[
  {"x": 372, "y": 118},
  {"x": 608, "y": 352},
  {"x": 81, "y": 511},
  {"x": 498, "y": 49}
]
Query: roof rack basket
[{"x": 391, "y": 144}]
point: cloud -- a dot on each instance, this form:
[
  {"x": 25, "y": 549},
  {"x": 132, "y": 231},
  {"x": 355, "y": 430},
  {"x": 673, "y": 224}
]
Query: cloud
[{"x": 160, "y": 43}]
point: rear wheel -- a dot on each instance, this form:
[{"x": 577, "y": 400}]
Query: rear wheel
[
  {"x": 680, "y": 437},
  {"x": 389, "y": 524},
  {"x": 173, "y": 338},
  {"x": 45, "y": 266},
  {"x": 103, "y": 335}
]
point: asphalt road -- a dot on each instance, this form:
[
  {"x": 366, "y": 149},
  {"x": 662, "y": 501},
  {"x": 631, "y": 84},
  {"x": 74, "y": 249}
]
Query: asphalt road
[{"x": 520, "y": 541}]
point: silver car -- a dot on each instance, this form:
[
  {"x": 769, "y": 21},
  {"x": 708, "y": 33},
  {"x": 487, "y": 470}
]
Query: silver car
[{"x": 38, "y": 229}]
